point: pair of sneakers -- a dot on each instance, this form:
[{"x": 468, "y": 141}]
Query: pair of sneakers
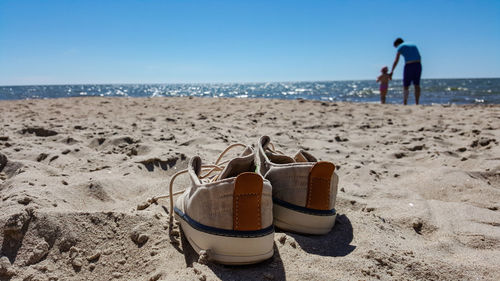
[{"x": 231, "y": 207}]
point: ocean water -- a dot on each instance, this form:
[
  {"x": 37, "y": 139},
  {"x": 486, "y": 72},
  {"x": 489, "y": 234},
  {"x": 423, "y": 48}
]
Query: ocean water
[{"x": 434, "y": 91}]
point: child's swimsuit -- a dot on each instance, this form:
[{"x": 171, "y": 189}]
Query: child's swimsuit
[{"x": 384, "y": 87}]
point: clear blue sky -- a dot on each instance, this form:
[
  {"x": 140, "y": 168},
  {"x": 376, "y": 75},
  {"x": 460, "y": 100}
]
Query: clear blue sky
[{"x": 65, "y": 42}]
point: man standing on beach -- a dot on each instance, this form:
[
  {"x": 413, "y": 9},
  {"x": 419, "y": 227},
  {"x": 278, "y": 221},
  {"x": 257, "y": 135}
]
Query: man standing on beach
[{"x": 413, "y": 68}]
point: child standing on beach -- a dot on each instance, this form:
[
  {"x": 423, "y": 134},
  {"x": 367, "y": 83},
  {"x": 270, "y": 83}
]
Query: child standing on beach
[{"x": 384, "y": 83}]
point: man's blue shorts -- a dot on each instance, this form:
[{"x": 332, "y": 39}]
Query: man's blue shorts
[{"x": 412, "y": 73}]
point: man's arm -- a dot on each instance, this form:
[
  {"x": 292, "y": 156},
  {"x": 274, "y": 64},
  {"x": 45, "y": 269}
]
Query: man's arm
[{"x": 396, "y": 60}]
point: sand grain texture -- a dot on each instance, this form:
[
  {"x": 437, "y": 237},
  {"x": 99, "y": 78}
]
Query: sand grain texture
[{"x": 418, "y": 196}]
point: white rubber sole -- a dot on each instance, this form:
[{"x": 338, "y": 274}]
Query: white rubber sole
[
  {"x": 229, "y": 250},
  {"x": 291, "y": 220}
]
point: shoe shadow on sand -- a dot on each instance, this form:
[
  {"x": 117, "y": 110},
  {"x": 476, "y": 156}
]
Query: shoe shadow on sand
[
  {"x": 336, "y": 243},
  {"x": 270, "y": 269}
]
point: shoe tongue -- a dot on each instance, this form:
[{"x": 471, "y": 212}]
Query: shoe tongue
[
  {"x": 248, "y": 150},
  {"x": 303, "y": 156},
  {"x": 272, "y": 156},
  {"x": 238, "y": 165},
  {"x": 279, "y": 158},
  {"x": 299, "y": 157}
]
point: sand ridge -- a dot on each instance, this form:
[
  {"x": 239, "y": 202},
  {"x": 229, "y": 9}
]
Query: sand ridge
[{"x": 418, "y": 197}]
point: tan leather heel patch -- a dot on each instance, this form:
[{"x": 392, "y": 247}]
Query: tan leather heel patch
[
  {"x": 318, "y": 190},
  {"x": 247, "y": 202}
]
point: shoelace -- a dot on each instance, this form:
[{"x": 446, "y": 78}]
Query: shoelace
[{"x": 218, "y": 166}]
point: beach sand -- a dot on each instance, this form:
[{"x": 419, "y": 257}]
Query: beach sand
[{"x": 419, "y": 191}]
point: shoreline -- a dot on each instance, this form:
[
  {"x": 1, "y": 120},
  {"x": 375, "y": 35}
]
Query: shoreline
[
  {"x": 418, "y": 195},
  {"x": 412, "y": 104}
]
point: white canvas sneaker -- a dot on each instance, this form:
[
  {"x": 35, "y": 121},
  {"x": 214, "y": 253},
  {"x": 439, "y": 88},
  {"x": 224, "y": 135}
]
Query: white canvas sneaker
[
  {"x": 227, "y": 211},
  {"x": 304, "y": 189}
]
